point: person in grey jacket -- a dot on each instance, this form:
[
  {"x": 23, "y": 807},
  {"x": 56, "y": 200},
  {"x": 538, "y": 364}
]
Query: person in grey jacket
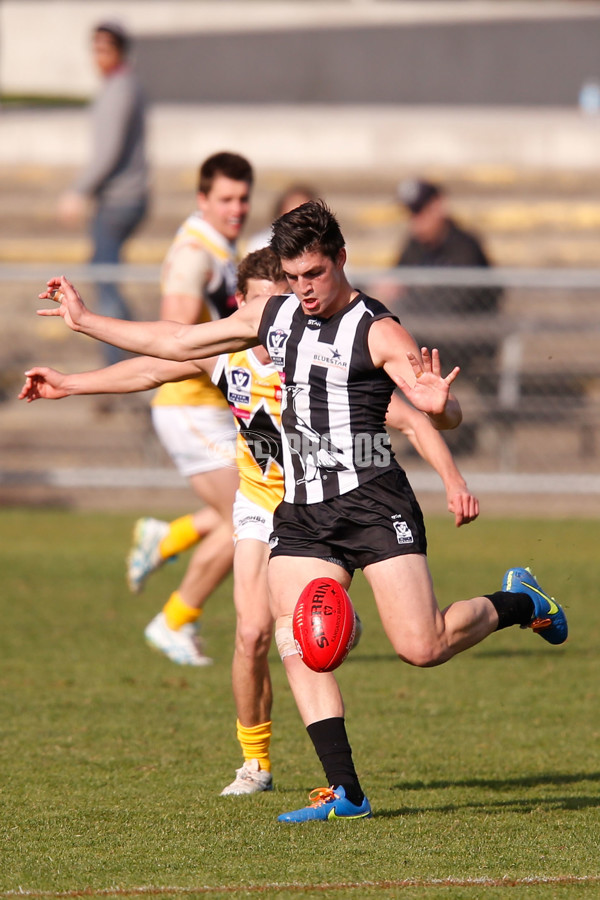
[{"x": 116, "y": 176}]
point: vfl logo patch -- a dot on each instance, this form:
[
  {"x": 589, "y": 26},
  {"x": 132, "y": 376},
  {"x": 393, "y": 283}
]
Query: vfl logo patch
[
  {"x": 239, "y": 387},
  {"x": 276, "y": 341},
  {"x": 403, "y": 532}
]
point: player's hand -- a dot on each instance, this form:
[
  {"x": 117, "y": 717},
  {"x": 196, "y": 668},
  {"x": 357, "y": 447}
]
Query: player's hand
[
  {"x": 70, "y": 305},
  {"x": 43, "y": 383},
  {"x": 463, "y": 504},
  {"x": 430, "y": 391}
]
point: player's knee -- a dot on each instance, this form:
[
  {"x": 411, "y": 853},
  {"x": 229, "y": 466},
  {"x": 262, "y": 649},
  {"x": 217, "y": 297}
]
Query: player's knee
[
  {"x": 423, "y": 654},
  {"x": 253, "y": 640},
  {"x": 284, "y": 636}
]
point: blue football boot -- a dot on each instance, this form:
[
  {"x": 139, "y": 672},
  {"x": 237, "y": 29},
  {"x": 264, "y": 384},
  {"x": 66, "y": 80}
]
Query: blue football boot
[
  {"x": 549, "y": 620},
  {"x": 328, "y": 803}
]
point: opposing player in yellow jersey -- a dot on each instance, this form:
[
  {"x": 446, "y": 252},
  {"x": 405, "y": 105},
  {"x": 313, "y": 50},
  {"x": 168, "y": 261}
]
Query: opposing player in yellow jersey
[
  {"x": 191, "y": 417},
  {"x": 252, "y": 387}
]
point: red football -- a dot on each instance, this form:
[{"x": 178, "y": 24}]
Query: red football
[{"x": 324, "y": 624}]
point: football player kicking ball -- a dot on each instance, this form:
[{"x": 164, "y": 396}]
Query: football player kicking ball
[
  {"x": 251, "y": 384},
  {"x": 347, "y": 502}
]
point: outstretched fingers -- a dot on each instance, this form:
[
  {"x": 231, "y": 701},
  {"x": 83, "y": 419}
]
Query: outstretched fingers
[
  {"x": 69, "y": 303},
  {"x": 30, "y": 390},
  {"x": 431, "y": 360},
  {"x": 452, "y": 375},
  {"x": 430, "y": 364},
  {"x": 52, "y": 292}
]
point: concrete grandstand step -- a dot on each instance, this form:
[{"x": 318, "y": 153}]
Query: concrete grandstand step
[{"x": 524, "y": 217}]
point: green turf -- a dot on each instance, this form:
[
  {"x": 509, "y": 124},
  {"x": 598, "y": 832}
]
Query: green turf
[{"x": 482, "y": 773}]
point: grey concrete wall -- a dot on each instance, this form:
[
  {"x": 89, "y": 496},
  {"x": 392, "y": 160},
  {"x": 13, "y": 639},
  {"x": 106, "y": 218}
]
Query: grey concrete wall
[
  {"x": 382, "y": 51},
  {"x": 501, "y": 63}
]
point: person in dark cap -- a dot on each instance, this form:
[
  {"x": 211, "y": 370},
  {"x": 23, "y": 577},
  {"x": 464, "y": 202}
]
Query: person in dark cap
[
  {"x": 115, "y": 180},
  {"x": 435, "y": 239}
]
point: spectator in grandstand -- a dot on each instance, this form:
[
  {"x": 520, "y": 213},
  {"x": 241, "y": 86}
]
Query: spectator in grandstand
[
  {"x": 116, "y": 176},
  {"x": 436, "y": 240},
  {"x": 294, "y": 195}
]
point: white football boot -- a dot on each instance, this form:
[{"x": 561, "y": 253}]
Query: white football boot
[
  {"x": 144, "y": 556},
  {"x": 183, "y": 646},
  {"x": 249, "y": 779}
]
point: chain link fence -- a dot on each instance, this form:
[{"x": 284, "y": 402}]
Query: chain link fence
[
  {"x": 527, "y": 342},
  {"x": 528, "y": 345}
]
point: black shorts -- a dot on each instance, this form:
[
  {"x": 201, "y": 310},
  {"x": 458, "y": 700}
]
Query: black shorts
[{"x": 378, "y": 520}]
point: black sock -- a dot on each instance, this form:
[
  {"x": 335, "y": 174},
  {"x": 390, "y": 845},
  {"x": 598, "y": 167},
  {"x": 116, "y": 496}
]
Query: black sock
[
  {"x": 331, "y": 743},
  {"x": 512, "y": 609}
]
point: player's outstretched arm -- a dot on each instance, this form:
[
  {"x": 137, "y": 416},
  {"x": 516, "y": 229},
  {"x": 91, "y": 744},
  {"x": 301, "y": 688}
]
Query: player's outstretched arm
[
  {"x": 127, "y": 377},
  {"x": 43, "y": 383},
  {"x": 429, "y": 443},
  {"x": 418, "y": 375},
  {"x": 166, "y": 340}
]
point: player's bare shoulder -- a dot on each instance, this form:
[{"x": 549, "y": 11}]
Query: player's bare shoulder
[
  {"x": 387, "y": 338},
  {"x": 250, "y": 314},
  {"x": 187, "y": 269}
]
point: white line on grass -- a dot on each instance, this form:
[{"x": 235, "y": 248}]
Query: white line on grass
[{"x": 281, "y": 886}]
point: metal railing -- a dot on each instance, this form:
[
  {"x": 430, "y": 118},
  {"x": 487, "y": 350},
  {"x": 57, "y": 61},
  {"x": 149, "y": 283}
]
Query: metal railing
[{"x": 527, "y": 342}]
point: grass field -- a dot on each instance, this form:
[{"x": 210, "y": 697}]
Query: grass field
[{"x": 484, "y": 774}]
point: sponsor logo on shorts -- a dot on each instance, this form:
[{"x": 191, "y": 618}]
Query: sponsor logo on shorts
[
  {"x": 273, "y": 541},
  {"x": 246, "y": 520},
  {"x": 403, "y": 532}
]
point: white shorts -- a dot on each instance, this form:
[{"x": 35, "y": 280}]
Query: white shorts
[
  {"x": 251, "y": 520},
  {"x": 197, "y": 438}
]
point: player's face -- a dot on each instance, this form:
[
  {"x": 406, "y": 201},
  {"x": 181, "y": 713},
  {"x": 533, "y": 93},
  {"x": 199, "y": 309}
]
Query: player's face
[
  {"x": 318, "y": 282},
  {"x": 107, "y": 55},
  {"x": 226, "y": 206},
  {"x": 429, "y": 224},
  {"x": 261, "y": 289}
]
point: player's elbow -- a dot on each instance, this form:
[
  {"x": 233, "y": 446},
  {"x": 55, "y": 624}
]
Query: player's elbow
[
  {"x": 454, "y": 412},
  {"x": 449, "y": 419},
  {"x": 456, "y": 415}
]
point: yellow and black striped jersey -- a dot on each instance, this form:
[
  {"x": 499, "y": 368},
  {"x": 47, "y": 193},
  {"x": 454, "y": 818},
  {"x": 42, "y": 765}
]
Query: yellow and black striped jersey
[{"x": 253, "y": 391}]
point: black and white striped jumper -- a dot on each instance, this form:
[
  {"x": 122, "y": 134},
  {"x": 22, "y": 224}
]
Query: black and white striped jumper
[{"x": 334, "y": 399}]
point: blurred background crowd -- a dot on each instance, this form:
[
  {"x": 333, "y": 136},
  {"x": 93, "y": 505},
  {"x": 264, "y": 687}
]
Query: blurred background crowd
[{"x": 457, "y": 142}]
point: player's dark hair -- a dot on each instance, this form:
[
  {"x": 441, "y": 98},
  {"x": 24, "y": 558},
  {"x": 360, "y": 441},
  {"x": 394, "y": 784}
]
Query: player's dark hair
[
  {"x": 308, "y": 228},
  {"x": 231, "y": 165},
  {"x": 263, "y": 265},
  {"x": 118, "y": 35}
]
